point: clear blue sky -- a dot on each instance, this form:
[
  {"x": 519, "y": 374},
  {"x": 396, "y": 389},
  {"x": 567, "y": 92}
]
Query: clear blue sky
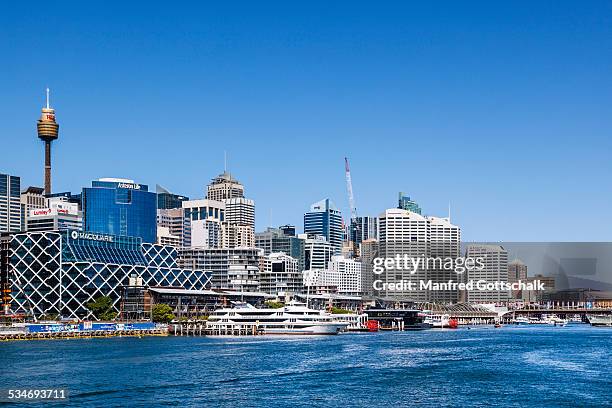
[{"x": 505, "y": 110}]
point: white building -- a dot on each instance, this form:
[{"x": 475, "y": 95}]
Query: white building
[
  {"x": 240, "y": 211},
  {"x": 317, "y": 251},
  {"x": 279, "y": 275},
  {"x": 31, "y": 198},
  {"x": 445, "y": 242},
  {"x": 495, "y": 259},
  {"x": 205, "y": 219},
  {"x": 403, "y": 232},
  {"x": 350, "y": 277},
  {"x": 165, "y": 237},
  {"x": 58, "y": 215},
  {"x": 409, "y": 234},
  {"x": 237, "y": 236},
  {"x": 224, "y": 187},
  {"x": 177, "y": 224}
]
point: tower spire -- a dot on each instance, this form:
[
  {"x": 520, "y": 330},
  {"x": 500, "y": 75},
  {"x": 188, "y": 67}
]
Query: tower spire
[{"x": 48, "y": 130}]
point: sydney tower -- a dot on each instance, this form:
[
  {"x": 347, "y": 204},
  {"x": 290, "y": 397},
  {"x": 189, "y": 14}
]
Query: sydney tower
[{"x": 48, "y": 131}]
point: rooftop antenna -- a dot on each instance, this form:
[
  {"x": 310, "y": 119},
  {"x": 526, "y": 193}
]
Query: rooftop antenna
[
  {"x": 47, "y": 97},
  {"x": 225, "y": 161},
  {"x": 449, "y": 212}
]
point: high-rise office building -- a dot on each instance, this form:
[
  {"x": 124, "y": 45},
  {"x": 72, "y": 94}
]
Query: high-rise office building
[
  {"x": 120, "y": 207},
  {"x": 495, "y": 269},
  {"x": 324, "y": 219},
  {"x": 206, "y": 219},
  {"x": 276, "y": 240},
  {"x": 224, "y": 187},
  {"x": 368, "y": 251},
  {"x": 167, "y": 200},
  {"x": 177, "y": 223},
  {"x": 406, "y": 233},
  {"x": 31, "y": 198},
  {"x": 48, "y": 131},
  {"x": 239, "y": 223},
  {"x": 240, "y": 211},
  {"x": 317, "y": 251},
  {"x": 517, "y": 271},
  {"x": 349, "y": 275},
  {"x": 405, "y": 203},
  {"x": 280, "y": 275},
  {"x": 288, "y": 230},
  {"x": 10, "y": 203},
  {"x": 57, "y": 215},
  {"x": 363, "y": 228},
  {"x": 403, "y": 233},
  {"x": 444, "y": 243},
  {"x": 239, "y": 226}
]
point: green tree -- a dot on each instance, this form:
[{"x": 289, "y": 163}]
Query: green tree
[
  {"x": 162, "y": 313},
  {"x": 273, "y": 305},
  {"x": 337, "y": 310},
  {"x": 102, "y": 308}
]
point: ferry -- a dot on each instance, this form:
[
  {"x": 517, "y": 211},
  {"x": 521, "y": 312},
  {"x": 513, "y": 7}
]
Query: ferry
[
  {"x": 552, "y": 320},
  {"x": 396, "y": 319},
  {"x": 295, "y": 318},
  {"x": 440, "y": 321},
  {"x": 600, "y": 320}
]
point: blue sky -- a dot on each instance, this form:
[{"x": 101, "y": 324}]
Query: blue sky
[{"x": 501, "y": 109}]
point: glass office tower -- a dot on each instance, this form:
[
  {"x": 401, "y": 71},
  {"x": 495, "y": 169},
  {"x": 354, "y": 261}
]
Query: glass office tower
[
  {"x": 10, "y": 203},
  {"x": 324, "y": 219},
  {"x": 120, "y": 207}
]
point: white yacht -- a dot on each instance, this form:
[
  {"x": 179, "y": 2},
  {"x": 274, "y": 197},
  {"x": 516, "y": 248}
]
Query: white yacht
[
  {"x": 600, "y": 320},
  {"x": 295, "y": 318},
  {"x": 521, "y": 320},
  {"x": 555, "y": 320}
]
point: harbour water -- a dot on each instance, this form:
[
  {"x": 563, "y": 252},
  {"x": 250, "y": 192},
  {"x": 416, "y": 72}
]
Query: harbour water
[{"x": 512, "y": 366}]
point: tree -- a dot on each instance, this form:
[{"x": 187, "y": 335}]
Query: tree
[
  {"x": 102, "y": 308},
  {"x": 273, "y": 305},
  {"x": 162, "y": 313},
  {"x": 337, "y": 310}
]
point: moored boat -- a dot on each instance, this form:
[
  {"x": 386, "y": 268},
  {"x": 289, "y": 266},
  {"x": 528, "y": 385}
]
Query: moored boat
[
  {"x": 600, "y": 320},
  {"x": 295, "y": 318}
]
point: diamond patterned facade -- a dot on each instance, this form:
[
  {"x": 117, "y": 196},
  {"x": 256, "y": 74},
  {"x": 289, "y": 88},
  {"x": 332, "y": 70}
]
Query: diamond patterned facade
[{"x": 60, "y": 272}]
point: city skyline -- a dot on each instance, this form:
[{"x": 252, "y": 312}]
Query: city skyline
[{"x": 511, "y": 134}]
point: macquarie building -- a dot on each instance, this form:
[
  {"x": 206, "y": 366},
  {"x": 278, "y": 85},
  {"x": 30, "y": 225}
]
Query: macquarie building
[{"x": 59, "y": 272}]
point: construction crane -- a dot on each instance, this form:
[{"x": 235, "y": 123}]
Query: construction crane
[{"x": 353, "y": 225}]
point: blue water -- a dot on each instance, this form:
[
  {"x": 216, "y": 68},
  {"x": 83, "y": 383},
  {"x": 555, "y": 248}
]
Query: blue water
[{"x": 511, "y": 366}]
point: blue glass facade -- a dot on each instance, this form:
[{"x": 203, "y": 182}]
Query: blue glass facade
[
  {"x": 405, "y": 203},
  {"x": 120, "y": 208},
  {"x": 325, "y": 219}
]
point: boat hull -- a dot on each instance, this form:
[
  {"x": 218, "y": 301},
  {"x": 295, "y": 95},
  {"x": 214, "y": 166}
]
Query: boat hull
[{"x": 327, "y": 329}]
